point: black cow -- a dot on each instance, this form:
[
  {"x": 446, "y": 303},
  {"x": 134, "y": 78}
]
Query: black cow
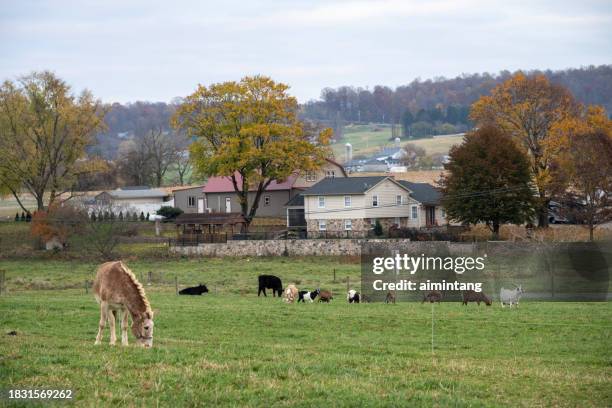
[
  {"x": 194, "y": 290},
  {"x": 270, "y": 282}
]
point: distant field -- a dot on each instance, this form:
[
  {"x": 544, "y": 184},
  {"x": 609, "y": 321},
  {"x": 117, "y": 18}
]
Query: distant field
[
  {"x": 367, "y": 139},
  {"x": 231, "y": 348}
]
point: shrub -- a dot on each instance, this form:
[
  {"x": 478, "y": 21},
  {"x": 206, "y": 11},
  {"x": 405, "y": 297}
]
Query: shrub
[
  {"x": 378, "y": 230},
  {"x": 142, "y": 217},
  {"x": 16, "y": 217},
  {"x": 169, "y": 213}
]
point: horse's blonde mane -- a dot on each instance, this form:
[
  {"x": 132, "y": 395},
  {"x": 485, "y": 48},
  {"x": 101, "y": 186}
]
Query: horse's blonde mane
[{"x": 138, "y": 287}]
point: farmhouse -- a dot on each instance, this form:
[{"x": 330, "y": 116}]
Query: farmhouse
[
  {"x": 354, "y": 204},
  {"x": 219, "y": 196}
]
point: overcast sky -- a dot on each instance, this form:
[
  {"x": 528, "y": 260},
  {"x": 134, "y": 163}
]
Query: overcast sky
[{"x": 128, "y": 50}]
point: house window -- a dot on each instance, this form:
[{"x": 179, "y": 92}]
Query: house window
[
  {"x": 348, "y": 225},
  {"x": 398, "y": 199},
  {"x": 267, "y": 200},
  {"x": 374, "y": 201},
  {"x": 322, "y": 225},
  {"x": 397, "y": 222},
  {"x": 415, "y": 212},
  {"x": 330, "y": 174},
  {"x": 311, "y": 176},
  {"x": 191, "y": 201},
  {"x": 442, "y": 213},
  {"x": 321, "y": 202},
  {"x": 347, "y": 201}
]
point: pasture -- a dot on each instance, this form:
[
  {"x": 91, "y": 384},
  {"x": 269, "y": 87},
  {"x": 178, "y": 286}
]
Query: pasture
[
  {"x": 367, "y": 139},
  {"x": 229, "y": 347}
]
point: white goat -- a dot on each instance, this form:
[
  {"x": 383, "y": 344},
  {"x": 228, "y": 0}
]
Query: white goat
[{"x": 510, "y": 296}]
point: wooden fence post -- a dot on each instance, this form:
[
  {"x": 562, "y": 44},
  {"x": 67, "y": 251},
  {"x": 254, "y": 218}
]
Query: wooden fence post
[
  {"x": 334, "y": 275},
  {"x": 176, "y": 283},
  {"x": 2, "y": 280}
]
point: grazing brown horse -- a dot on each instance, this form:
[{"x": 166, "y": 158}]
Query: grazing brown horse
[{"x": 116, "y": 289}]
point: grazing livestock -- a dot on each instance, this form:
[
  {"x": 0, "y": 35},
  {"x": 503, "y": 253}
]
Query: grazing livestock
[
  {"x": 270, "y": 282},
  {"x": 325, "y": 296},
  {"x": 353, "y": 296},
  {"x": 304, "y": 295},
  {"x": 390, "y": 298},
  {"x": 194, "y": 290},
  {"x": 116, "y": 289},
  {"x": 510, "y": 296},
  {"x": 433, "y": 296},
  {"x": 473, "y": 296},
  {"x": 291, "y": 294}
]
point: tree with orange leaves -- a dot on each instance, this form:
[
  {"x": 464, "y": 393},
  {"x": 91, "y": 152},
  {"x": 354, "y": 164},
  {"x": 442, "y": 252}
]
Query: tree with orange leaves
[{"x": 529, "y": 108}]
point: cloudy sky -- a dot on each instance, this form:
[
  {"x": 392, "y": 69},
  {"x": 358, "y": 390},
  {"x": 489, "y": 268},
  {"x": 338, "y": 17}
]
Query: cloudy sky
[{"x": 128, "y": 50}]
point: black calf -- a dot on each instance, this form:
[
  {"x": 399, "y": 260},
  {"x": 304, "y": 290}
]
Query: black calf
[{"x": 194, "y": 290}]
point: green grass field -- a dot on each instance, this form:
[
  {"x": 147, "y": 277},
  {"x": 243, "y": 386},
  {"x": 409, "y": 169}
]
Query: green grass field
[
  {"x": 367, "y": 139},
  {"x": 230, "y": 347}
]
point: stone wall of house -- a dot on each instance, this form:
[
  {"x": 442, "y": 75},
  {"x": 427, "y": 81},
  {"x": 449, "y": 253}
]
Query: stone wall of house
[{"x": 360, "y": 226}]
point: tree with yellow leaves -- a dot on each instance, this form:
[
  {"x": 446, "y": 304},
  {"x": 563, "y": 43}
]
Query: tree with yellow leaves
[
  {"x": 529, "y": 108},
  {"x": 582, "y": 167},
  {"x": 249, "y": 131},
  {"x": 44, "y": 130}
]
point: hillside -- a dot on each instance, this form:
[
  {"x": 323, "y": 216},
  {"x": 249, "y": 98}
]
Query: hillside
[{"x": 367, "y": 139}]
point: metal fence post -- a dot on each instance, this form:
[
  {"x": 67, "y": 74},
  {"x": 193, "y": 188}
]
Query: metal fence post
[{"x": 2, "y": 280}]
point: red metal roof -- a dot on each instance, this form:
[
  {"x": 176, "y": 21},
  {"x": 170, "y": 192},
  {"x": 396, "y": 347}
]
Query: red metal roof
[{"x": 224, "y": 184}]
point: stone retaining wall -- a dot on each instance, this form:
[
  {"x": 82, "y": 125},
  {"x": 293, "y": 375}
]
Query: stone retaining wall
[{"x": 315, "y": 247}]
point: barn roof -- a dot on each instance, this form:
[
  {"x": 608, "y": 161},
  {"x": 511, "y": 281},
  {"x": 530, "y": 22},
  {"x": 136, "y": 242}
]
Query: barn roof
[
  {"x": 224, "y": 184},
  {"x": 136, "y": 192}
]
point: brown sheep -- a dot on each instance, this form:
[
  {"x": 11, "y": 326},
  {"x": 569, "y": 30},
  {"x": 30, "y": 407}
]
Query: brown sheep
[
  {"x": 325, "y": 296},
  {"x": 473, "y": 296},
  {"x": 390, "y": 298},
  {"x": 433, "y": 296},
  {"x": 291, "y": 294}
]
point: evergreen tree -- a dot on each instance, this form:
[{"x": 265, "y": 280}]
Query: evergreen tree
[
  {"x": 488, "y": 180},
  {"x": 378, "y": 229}
]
